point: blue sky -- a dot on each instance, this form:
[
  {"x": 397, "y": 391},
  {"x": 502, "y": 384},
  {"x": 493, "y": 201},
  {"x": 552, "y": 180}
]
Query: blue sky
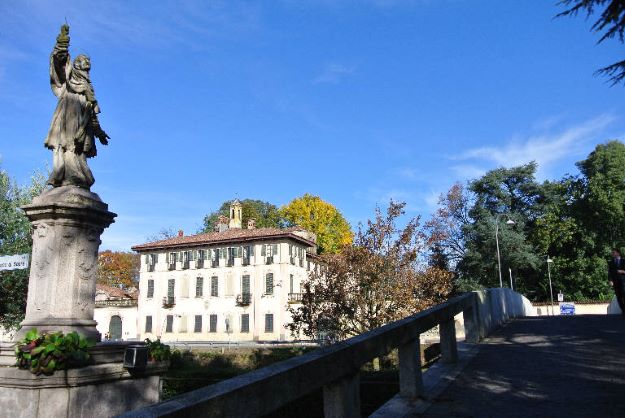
[{"x": 355, "y": 101}]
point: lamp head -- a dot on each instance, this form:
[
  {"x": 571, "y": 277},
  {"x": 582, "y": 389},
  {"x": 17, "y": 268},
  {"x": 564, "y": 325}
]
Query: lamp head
[{"x": 510, "y": 222}]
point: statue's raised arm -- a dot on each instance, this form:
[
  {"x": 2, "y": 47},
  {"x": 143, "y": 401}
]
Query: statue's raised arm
[
  {"x": 60, "y": 63},
  {"x": 75, "y": 122}
]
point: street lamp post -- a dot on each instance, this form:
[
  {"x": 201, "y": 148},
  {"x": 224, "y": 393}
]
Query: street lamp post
[
  {"x": 508, "y": 222},
  {"x": 549, "y": 261}
]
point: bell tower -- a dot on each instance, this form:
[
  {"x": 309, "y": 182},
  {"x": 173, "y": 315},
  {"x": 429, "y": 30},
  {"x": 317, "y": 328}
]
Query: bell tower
[{"x": 236, "y": 214}]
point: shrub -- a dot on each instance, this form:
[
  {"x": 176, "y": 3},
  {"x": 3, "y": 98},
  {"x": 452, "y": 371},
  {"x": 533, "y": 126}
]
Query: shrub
[
  {"x": 47, "y": 352},
  {"x": 157, "y": 351}
]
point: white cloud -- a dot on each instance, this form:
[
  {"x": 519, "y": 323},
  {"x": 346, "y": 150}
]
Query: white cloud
[
  {"x": 468, "y": 171},
  {"x": 333, "y": 74},
  {"x": 546, "y": 149}
]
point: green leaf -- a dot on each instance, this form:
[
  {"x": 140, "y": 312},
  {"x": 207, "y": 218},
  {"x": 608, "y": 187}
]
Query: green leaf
[
  {"x": 37, "y": 351},
  {"x": 31, "y": 335}
]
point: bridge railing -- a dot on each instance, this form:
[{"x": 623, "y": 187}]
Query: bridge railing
[{"x": 336, "y": 368}]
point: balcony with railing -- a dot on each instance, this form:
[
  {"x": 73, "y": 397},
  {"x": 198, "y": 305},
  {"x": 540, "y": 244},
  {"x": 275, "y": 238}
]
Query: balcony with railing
[
  {"x": 171, "y": 265},
  {"x": 169, "y": 302},
  {"x": 245, "y": 261},
  {"x": 116, "y": 302},
  {"x": 215, "y": 263},
  {"x": 244, "y": 299},
  {"x": 185, "y": 264},
  {"x": 295, "y": 297},
  {"x": 269, "y": 260},
  {"x": 229, "y": 262},
  {"x": 199, "y": 263}
]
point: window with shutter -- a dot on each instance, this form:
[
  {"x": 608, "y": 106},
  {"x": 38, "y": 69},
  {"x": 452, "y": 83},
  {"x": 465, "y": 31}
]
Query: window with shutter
[
  {"x": 169, "y": 327},
  {"x": 291, "y": 283},
  {"x": 171, "y": 283},
  {"x": 263, "y": 250},
  {"x": 148, "y": 323},
  {"x": 214, "y": 286},
  {"x": 269, "y": 284},
  {"x": 268, "y": 322},
  {"x": 245, "y": 322},
  {"x": 212, "y": 326},
  {"x": 199, "y": 287},
  {"x": 150, "y": 288},
  {"x": 245, "y": 285},
  {"x": 197, "y": 326}
]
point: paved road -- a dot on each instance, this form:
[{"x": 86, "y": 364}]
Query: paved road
[{"x": 543, "y": 367}]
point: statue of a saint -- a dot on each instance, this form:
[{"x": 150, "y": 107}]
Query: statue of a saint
[{"x": 75, "y": 121}]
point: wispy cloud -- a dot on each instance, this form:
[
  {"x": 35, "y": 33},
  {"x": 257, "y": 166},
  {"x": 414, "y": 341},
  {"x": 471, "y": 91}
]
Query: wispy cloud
[
  {"x": 545, "y": 149},
  {"x": 333, "y": 74}
]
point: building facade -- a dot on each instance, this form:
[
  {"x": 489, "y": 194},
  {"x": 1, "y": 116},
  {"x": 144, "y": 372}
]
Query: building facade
[
  {"x": 233, "y": 284},
  {"x": 116, "y": 313}
]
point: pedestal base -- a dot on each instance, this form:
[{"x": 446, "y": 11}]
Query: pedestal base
[
  {"x": 97, "y": 391},
  {"x": 83, "y": 327}
]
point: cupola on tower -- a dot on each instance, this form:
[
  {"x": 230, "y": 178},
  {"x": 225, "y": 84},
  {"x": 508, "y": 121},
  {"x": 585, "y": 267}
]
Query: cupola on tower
[{"x": 236, "y": 215}]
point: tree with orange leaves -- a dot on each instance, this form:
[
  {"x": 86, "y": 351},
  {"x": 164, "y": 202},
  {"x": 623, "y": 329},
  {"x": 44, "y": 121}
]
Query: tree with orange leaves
[
  {"x": 117, "y": 268},
  {"x": 380, "y": 278}
]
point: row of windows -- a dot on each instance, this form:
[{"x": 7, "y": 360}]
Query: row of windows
[
  {"x": 246, "y": 251},
  {"x": 214, "y": 286},
  {"x": 212, "y": 323}
]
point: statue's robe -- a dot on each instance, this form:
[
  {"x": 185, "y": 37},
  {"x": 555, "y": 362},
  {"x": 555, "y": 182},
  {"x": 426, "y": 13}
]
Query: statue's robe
[{"x": 71, "y": 134}]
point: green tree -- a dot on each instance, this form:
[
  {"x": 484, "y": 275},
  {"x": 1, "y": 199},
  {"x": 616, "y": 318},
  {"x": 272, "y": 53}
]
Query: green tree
[
  {"x": 318, "y": 216},
  {"x": 499, "y": 195},
  {"x": 265, "y": 214},
  {"x": 15, "y": 238},
  {"x": 611, "y": 24}
]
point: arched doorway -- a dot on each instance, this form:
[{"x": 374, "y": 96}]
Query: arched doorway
[{"x": 115, "y": 328}]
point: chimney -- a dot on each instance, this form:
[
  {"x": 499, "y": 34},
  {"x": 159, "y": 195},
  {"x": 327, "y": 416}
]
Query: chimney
[
  {"x": 222, "y": 223},
  {"x": 251, "y": 224},
  {"x": 180, "y": 233}
]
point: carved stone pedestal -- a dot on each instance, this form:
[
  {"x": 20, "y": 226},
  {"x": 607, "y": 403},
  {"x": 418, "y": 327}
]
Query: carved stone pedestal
[{"x": 67, "y": 223}]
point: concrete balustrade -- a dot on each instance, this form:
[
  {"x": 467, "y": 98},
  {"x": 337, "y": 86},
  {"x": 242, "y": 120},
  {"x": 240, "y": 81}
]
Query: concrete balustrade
[{"x": 335, "y": 368}]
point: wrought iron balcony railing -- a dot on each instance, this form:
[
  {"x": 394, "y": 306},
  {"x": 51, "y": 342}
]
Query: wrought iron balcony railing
[
  {"x": 295, "y": 297},
  {"x": 169, "y": 302},
  {"x": 244, "y": 299}
]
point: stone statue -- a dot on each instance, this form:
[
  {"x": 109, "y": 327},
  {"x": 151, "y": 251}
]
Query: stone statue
[{"x": 75, "y": 121}]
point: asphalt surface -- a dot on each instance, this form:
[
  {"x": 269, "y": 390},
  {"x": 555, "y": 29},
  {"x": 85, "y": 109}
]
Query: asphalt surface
[{"x": 543, "y": 367}]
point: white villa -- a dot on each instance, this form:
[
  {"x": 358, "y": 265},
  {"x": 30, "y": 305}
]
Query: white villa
[
  {"x": 116, "y": 312},
  {"x": 233, "y": 284}
]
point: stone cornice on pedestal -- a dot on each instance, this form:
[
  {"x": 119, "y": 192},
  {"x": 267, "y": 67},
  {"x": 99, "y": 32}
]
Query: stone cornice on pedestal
[{"x": 70, "y": 203}]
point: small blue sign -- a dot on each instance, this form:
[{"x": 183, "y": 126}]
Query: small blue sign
[{"x": 567, "y": 309}]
